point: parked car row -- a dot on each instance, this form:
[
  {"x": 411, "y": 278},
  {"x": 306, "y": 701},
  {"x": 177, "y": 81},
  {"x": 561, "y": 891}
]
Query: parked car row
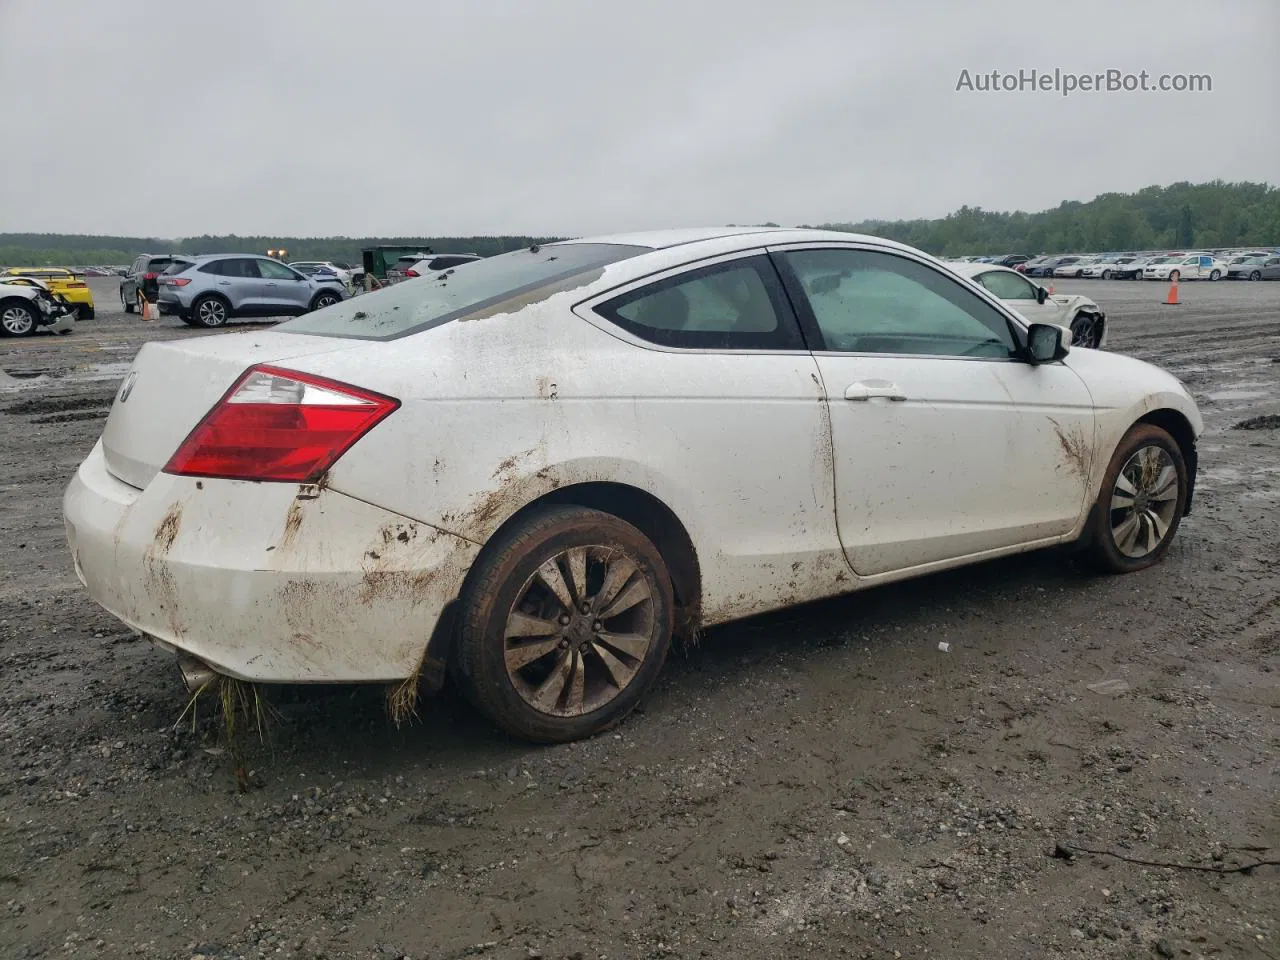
[{"x": 1170, "y": 265}]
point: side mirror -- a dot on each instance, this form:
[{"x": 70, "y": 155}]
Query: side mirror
[
  {"x": 1041, "y": 294},
  {"x": 1045, "y": 343}
]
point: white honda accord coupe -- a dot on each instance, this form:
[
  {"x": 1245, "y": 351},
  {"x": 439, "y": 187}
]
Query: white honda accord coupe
[{"x": 529, "y": 471}]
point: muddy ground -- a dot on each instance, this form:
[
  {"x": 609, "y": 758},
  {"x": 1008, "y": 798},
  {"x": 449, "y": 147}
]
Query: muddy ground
[{"x": 821, "y": 783}]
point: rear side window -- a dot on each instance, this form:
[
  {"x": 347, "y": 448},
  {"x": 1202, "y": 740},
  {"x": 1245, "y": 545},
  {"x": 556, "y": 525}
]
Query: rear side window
[
  {"x": 489, "y": 286},
  {"x": 239, "y": 267},
  {"x": 737, "y": 305}
]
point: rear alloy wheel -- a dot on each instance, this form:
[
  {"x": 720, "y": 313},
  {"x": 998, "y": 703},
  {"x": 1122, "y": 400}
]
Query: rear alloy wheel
[
  {"x": 1256, "y": 275},
  {"x": 565, "y": 623},
  {"x": 17, "y": 319},
  {"x": 1175, "y": 276},
  {"x": 209, "y": 312},
  {"x": 1144, "y": 494},
  {"x": 323, "y": 300}
]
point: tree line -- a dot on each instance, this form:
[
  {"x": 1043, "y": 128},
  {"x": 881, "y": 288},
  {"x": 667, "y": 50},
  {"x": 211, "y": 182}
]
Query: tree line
[{"x": 1179, "y": 216}]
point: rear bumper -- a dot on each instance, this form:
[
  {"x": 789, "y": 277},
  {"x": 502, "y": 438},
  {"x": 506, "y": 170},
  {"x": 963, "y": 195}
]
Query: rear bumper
[{"x": 266, "y": 582}]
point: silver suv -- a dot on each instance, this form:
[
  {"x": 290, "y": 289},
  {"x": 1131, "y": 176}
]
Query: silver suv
[{"x": 212, "y": 289}]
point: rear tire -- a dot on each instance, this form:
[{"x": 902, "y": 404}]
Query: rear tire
[
  {"x": 1143, "y": 496},
  {"x": 1175, "y": 276},
  {"x": 210, "y": 312},
  {"x": 128, "y": 306},
  {"x": 564, "y": 624}
]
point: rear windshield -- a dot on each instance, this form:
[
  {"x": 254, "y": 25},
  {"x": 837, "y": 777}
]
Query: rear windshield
[
  {"x": 494, "y": 285},
  {"x": 168, "y": 265}
]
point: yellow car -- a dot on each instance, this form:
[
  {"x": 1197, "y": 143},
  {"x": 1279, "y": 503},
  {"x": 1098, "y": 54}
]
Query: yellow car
[{"x": 62, "y": 283}]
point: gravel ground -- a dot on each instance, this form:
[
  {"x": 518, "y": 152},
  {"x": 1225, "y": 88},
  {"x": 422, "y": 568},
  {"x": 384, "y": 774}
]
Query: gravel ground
[{"x": 824, "y": 782}]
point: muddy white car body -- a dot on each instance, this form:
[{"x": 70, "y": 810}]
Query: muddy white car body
[
  {"x": 766, "y": 473},
  {"x": 1084, "y": 321}
]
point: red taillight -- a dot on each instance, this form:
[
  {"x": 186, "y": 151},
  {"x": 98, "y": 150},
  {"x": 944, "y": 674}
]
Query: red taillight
[
  {"x": 175, "y": 281},
  {"x": 150, "y": 276},
  {"x": 276, "y": 424},
  {"x": 412, "y": 273},
  {"x": 75, "y": 286}
]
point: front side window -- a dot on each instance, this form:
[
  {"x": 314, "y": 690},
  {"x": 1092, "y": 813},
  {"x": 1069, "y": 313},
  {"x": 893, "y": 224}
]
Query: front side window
[
  {"x": 1007, "y": 286},
  {"x": 738, "y": 305},
  {"x": 270, "y": 270},
  {"x": 866, "y": 301}
]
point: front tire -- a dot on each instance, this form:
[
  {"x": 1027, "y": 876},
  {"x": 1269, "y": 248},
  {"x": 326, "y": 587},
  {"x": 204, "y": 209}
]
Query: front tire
[
  {"x": 210, "y": 312},
  {"x": 1256, "y": 275},
  {"x": 1143, "y": 496},
  {"x": 17, "y": 319},
  {"x": 1175, "y": 276},
  {"x": 324, "y": 299},
  {"x": 1085, "y": 331},
  {"x": 1106, "y": 274},
  {"x": 564, "y": 624},
  {"x": 1215, "y": 274}
]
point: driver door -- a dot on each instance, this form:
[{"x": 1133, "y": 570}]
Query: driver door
[
  {"x": 283, "y": 289},
  {"x": 945, "y": 444}
]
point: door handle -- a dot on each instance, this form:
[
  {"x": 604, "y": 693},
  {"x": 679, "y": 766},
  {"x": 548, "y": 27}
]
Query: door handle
[
  {"x": 866, "y": 389},
  {"x": 272, "y": 283},
  {"x": 224, "y": 283}
]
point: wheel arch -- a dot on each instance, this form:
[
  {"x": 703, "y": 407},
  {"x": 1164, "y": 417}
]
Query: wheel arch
[
  {"x": 1176, "y": 424},
  {"x": 644, "y": 511}
]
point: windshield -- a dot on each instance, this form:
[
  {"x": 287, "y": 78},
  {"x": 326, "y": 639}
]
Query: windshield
[{"x": 496, "y": 284}]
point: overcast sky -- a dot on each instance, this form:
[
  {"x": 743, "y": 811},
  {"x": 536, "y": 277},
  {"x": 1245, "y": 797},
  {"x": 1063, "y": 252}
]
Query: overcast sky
[{"x": 571, "y": 117}]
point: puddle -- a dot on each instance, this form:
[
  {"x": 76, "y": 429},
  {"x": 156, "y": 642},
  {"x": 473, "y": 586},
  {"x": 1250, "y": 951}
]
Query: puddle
[
  {"x": 1241, "y": 391},
  {"x": 101, "y": 371}
]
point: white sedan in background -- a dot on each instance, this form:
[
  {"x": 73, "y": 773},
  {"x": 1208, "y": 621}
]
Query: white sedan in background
[
  {"x": 529, "y": 473},
  {"x": 308, "y": 267},
  {"x": 1082, "y": 319},
  {"x": 1191, "y": 266}
]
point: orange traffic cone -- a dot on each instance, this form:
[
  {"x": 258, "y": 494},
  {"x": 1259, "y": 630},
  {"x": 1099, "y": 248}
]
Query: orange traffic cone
[{"x": 1172, "y": 299}]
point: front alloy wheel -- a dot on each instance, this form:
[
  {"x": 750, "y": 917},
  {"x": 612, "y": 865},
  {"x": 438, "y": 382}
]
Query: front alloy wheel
[
  {"x": 1143, "y": 498},
  {"x": 17, "y": 320},
  {"x": 1086, "y": 331}
]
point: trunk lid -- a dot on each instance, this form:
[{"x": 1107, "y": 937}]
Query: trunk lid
[{"x": 172, "y": 385}]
